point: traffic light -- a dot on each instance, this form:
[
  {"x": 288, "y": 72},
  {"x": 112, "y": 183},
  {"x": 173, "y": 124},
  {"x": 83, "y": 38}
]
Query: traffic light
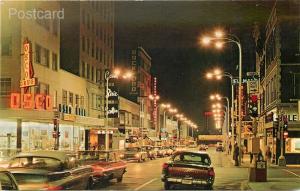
[{"x": 253, "y": 106}]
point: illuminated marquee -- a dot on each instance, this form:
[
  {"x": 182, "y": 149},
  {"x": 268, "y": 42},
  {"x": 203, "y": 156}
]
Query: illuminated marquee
[
  {"x": 30, "y": 101},
  {"x": 29, "y": 79}
]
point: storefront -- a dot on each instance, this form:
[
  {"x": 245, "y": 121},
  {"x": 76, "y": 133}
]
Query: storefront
[{"x": 292, "y": 143}]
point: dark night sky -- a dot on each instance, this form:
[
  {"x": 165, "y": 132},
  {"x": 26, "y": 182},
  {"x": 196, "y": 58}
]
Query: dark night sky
[{"x": 169, "y": 32}]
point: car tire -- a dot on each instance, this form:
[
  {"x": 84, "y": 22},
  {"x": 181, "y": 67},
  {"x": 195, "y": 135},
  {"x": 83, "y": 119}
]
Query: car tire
[
  {"x": 209, "y": 187},
  {"x": 167, "y": 186},
  {"x": 120, "y": 179},
  {"x": 90, "y": 184}
]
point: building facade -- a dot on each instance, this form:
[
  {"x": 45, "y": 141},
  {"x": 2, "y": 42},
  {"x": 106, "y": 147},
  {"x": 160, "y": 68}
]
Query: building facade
[
  {"x": 278, "y": 65},
  {"x": 66, "y": 74},
  {"x": 141, "y": 88}
]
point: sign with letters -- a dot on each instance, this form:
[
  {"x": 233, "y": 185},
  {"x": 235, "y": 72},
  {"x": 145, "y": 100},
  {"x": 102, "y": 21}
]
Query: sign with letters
[{"x": 29, "y": 79}]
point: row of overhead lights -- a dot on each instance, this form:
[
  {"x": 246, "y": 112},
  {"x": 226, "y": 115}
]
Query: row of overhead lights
[{"x": 180, "y": 116}]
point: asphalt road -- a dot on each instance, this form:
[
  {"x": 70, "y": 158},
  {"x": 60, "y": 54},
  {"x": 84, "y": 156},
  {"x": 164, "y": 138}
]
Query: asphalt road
[{"x": 146, "y": 176}]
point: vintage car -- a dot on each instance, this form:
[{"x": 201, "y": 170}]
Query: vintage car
[
  {"x": 107, "y": 165},
  {"x": 151, "y": 153},
  {"x": 135, "y": 153},
  {"x": 188, "y": 168},
  {"x": 50, "y": 170},
  {"x": 7, "y": 180},
  {"x": 169, "y": 151},
  {"x": 160, "y": 151},
  {"x": 202, "y": 147},
  {"x": 219, "y": 147}
]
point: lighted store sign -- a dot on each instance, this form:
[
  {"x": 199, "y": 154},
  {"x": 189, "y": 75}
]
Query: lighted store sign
[
  {"x": 30, "y": 101},
  {"x": 29, "y": 79}
]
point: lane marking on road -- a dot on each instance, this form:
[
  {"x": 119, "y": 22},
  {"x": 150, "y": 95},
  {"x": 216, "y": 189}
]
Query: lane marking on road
[
  {"x": 291, "y": 172},
  {"x": 145, "y": 184}
]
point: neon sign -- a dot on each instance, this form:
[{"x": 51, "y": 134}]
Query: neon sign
[
  {"x": 29, "y": 79},
  {"x": 30, "y": 101}
]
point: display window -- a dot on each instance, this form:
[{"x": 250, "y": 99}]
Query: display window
[
  {"x": 292, "y": 145},
  {"x": 8, "y": 138}
]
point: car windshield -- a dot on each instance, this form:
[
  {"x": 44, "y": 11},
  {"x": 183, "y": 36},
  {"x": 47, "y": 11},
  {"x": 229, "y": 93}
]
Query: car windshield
[
  {"x": 23, "y": 178},
  {"x": 35, "y": 163},
  {"x": 192, "y": 158}
]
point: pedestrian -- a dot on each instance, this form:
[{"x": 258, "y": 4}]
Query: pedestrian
[
  {"x": 251, "y": 157},
  {"x": 260, "y": 156},
  {"x": 242, "y": 153},
  {"x": 268, "y": 154},
  {"x": 230, "y": 147},
  {"x": 236, "y": 154}
]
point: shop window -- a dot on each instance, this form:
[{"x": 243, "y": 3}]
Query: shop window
[
  {"x": 54, "y": 62},
  {"x": 71, "y": 98},
  {"x": 64, "y": 97},
  {"x": 6, "y": 42},
  {"x": 292, "y": 145},
  {"x": 5, "y": 86}
]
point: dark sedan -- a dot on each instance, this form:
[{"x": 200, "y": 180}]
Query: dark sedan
[
  {"x": 50, "y": 170},
  {"x": 188, "y": 168}
]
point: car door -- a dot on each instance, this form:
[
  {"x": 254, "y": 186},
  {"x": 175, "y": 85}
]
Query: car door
[{"x": 7, "y": 181}]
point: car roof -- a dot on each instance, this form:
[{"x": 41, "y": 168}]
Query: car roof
[
  {"x": 3, "y": 169},
  {"x": 60, "y": 155},
  {"x": 191, "y": 152}
]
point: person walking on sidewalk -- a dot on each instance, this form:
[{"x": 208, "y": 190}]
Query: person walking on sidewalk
[
  {"x": 236, "y": 153},
  {"x": 260, "y": 156},
  {"x": 229, "y": 148}
]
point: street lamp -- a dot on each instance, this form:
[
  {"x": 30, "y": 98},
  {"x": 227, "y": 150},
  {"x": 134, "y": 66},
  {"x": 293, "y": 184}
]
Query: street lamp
[
  {"x": 219, "y": 97},
  {"x": 229, "y": 38},
  {"x": 116, "y": 73},
  {"x": 213, "y": 75}
]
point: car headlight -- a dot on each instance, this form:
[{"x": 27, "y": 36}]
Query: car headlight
[
  {"x": 121, "y": 155},
  {"x": 137, "y": 155}
]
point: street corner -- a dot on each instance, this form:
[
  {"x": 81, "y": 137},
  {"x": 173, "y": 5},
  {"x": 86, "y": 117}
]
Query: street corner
[{"x": 276, "y": 184}]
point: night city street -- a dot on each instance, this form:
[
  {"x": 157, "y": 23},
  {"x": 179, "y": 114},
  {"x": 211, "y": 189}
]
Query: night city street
[
  {"x": 150, "y": 95},
  {"x": 146, "y": 176}
]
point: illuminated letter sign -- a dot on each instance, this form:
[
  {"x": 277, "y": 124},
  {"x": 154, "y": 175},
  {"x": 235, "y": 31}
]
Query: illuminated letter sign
[
  {"x": 29, "y": 101},
  {"x": 29, "y": 79},
  {"x": 15, "y": 100}
]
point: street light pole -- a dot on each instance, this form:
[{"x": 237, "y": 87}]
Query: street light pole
[{"x": 240, "y": 99}]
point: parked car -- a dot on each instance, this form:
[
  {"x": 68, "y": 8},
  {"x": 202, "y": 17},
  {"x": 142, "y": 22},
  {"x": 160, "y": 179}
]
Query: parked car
[
  {"x": 107, "y": 165},
  {"x": 7, "y": 180},
  {"x": 169, "y": 151},
  {"x": 219, "y": 147},
  {"x": 188, "y": 168},
  {"x": 50, "y": 170},
  {"x": 151, "y": 153},
  {"x": 160, "y": 151},
  {"x": 202, "y": 147},
  {"x": 135, "y": 153}
]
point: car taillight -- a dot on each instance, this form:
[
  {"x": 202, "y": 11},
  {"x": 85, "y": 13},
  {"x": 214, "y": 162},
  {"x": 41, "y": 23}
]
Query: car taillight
[
  {"x": 211, "y": 172},
  {"x": 55, "y": 188},
  {"x": 165, "y": 166}
]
